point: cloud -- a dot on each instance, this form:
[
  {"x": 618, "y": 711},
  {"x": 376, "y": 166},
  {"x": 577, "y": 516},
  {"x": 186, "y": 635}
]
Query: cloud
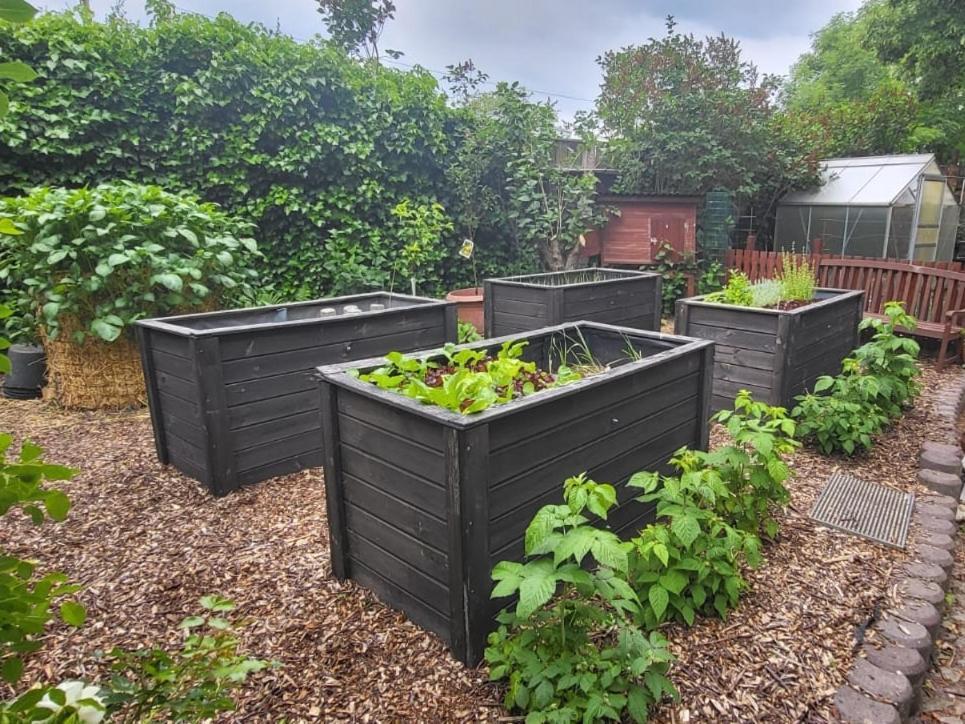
[{"x": 547, "y": 45}]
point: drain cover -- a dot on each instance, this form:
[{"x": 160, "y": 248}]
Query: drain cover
[{"x": 868, "y": 510}]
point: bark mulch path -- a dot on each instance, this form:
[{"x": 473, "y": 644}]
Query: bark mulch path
[{"x": 146, "y": 543}]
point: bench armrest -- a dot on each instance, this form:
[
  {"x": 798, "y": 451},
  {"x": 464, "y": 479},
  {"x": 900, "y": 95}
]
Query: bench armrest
[{"x": 953, "y": 319}]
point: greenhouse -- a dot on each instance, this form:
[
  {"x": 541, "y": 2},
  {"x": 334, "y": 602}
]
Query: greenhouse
[{"x": 896, "y": 207}]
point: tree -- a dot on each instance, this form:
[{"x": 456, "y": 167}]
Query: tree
[
  {"x": 689, "y": 116},
  {"x": 505, "y": 178},
  {"x": 885, "y": 79},
  {"x": 924, "y": 40},
  {"x": 356, "y": 25}
]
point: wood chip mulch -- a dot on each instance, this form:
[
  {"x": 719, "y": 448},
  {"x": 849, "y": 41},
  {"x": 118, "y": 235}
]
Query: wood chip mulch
[{"x": 146, "y": 542}]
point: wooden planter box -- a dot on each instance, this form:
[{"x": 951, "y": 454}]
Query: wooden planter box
[
  {"x": 232, "y": 394},
  {"x": 773, "y": 354},
  {"x": 611, "y": 296},
  {"x": 422, "y": 502}
]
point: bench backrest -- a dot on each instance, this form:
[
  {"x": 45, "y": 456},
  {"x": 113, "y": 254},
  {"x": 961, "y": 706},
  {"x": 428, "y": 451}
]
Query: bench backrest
[{"x": 927, "y": 292}]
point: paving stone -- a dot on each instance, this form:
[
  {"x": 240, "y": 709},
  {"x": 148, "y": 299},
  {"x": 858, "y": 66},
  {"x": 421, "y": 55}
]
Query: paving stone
[
  {"x": 945, "y": 501},
  {"x": 899, "y": 660},
  {"x": 926, "y": 572},
  {"x": 944, "y": 483},
  {"x": 933, "y": 555},
  {"x": 927, "y": 614},
  {"x": 941, "y": 457},
  {"x": 934, "y": 510},
  {"x": 938, "y": 525},
  {"x": 937, "y": 540},
  {"x": 922, "y": 590},
  {"x": 856, "y": 708},
  {"x": 881, "y": 685},
  {"x": 906, "y": 633}
]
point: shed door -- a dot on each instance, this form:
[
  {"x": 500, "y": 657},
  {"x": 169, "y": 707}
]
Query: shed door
[
  {"x": 671, "y": 229},
  {"x": 626, "y": 238}
]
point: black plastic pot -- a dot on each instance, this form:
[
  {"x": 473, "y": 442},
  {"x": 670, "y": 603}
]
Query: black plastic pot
[{"x": 27, "y": 374}]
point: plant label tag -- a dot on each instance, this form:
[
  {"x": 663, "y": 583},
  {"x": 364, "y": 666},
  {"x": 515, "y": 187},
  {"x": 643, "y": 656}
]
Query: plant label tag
[{"x": 465, "y": 251}]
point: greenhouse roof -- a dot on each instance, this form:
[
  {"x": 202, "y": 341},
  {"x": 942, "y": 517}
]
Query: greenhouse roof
[{"x": 865, "y": 181}]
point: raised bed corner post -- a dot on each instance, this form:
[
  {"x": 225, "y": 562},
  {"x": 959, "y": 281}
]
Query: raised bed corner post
[
  {"x": 468, "y": 453},
  {"x": 328, "y": 412},
  {"x": 153, "y": 395},
  {"x": 706, "y": 396},
  {"x": 452, "y": 323},
  {"x": 223, "y": 471},
  {"x": 488, "y": 313},
  {"x": 786, "y": 337}
]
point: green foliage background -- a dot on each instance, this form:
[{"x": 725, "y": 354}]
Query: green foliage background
[{"x": 312, "y": 146}]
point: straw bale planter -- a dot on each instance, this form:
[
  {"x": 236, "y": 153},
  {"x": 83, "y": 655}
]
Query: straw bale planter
[
  {"x": 93, "y": 374},
  {"x": 232, "y": 395},
  {"x": 422, "y": 501},
  {"x": 774, "y": 354},
  {"x": 611, "y": 296}
]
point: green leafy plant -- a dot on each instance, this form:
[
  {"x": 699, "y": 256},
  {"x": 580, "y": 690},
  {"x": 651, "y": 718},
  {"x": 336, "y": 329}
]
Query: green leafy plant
[
  {"x": 421, "y": 227},
  {"x": 467, "y": 380},
  {"x": 753, "y": 465},
  {"x": 710, "y": 515},
  {"x": 844, "y": 413},
  {"x": 190, "y": 684},
  {"x": 466, "y": 331},
  {"x": 570, "y": 649},
  {"x": 28, "y": 597},
  {"x": 842, "y": 419},
  {"x": 890, "y": 359},
  {"x": 675, "y": 270},
  {"x": 689, "y": 564},
  {"x": 96, "y": 259},
  {"x": 798, "y": 280},
  {"x": 737, "y": 291}
]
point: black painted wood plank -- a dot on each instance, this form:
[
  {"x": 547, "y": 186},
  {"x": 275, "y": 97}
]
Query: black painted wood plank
[
  {"x": 418, "y": 491},
  {"x": 394, "y": 597},
  {"x": 266, "y": 453},
  {"x": 389, "y": 504},
  {"x": 391, "y": 420},
  {"x": 399, "y": 572},
  {"x": 172, "y": 364},
  {"x": 266, "y": 433},
  {"x": 398, "y": 450},
  {"x": 264, "y": 388},
  {"x": 757, "y": 341},
  {"x": 382, "y": 532},
  {"x": 334, "y": 331},
  {"x": 273, "y": 408}
]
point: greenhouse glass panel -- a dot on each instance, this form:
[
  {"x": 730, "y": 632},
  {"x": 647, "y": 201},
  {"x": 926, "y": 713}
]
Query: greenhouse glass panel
[
  {"x": 791, "y": 227},
  {"x": 827, "y": 224},
  {"x": 865, "y": 235},
  {"x": 902, "y": 217}
]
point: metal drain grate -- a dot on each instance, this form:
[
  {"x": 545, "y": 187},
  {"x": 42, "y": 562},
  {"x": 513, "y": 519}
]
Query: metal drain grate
[{"x": 865, "y": 509}]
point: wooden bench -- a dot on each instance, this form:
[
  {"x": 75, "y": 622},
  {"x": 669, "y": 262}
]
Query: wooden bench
[{"x": 935, "y": 296}]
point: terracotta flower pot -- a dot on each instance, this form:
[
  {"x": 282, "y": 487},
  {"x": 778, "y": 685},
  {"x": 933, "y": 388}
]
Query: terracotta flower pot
[{"x": 469, "y": 306}]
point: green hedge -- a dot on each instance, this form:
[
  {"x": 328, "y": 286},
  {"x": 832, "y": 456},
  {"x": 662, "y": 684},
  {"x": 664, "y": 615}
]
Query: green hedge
[{"x": 313, "y": 147}]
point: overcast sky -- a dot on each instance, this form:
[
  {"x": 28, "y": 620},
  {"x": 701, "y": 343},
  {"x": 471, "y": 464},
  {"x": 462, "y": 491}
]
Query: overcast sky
[{"x": 550, "y": 46}]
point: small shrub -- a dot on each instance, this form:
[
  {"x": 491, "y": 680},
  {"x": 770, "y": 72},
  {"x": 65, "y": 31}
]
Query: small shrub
[
  {"x": 421, "y": 227},
  {"x": 191, "y": 684},
  {"x": 106, "y": 256},
  {"x": 570, "y": 650},
  {"x": 798, "y": 280},
  {"x": 766, "y": 293},
  {"x": 689, "y": 564},
  {"x": 737, "y": 291},
  {"x": 844, "y": 413}
]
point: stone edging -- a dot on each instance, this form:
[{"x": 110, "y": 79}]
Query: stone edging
[{"x": 884, "y": 684}]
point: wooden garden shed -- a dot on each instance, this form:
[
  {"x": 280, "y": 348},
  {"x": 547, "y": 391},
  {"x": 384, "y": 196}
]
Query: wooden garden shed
[{"x": 633, "y": 237}]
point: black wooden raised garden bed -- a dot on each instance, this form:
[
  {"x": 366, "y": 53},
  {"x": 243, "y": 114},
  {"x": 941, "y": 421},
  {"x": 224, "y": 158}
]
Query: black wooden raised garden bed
[
  {"x": 612, "y": 296},
  {"x": 232, "y": 394},
  {"x": 423, "y": 501},
  {"x": 774, "y": 354}
]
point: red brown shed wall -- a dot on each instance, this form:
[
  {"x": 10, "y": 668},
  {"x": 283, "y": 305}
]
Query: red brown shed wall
[{"x": 632, "y": 237}]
